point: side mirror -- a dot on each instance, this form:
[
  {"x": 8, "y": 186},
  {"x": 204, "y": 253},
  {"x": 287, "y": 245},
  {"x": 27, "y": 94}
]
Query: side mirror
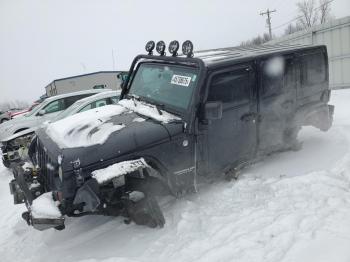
[
  {"x": 213, "y": 110},
  {"x": 41, "y": 112}
]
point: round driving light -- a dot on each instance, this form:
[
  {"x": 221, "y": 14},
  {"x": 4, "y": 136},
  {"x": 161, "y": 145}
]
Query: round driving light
[
  {"x": 187, "y": 48},
  {"x": 174, "y": 47},
  {"x": 161, "y": 48},
  {"x": 149, "y": 47}
]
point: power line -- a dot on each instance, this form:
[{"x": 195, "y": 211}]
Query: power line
[{"x": 268, "y": 20}]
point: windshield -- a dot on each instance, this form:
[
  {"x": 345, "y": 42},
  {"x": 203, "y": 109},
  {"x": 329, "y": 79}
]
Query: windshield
[
  {"x": 36, "y": 109},
  {"x": 165, "y": 84}
]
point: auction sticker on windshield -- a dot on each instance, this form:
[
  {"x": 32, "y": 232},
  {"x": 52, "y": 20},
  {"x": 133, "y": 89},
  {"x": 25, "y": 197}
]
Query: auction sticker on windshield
[{"x": 181, "y": 80}]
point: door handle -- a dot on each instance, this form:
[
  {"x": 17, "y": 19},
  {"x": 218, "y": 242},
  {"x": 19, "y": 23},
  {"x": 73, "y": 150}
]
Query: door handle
[{"x": 249, "y": 117}]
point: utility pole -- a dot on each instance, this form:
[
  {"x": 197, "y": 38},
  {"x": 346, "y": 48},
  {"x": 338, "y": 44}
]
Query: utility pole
[{"x": 268, "y": 20}]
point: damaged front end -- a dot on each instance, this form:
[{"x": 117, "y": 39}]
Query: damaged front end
[
  {"x": 15, "y": 149},
  {"x": 118, "y": 190},
  {"x": 27, "y": 187}
]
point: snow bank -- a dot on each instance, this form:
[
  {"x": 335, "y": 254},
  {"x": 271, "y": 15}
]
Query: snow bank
[
  {"x": 87, "y": 128},
  {"x": 45, "y": 207},
  {"x": 148, "y": 110},
  {"x": 119, "y": 169}
]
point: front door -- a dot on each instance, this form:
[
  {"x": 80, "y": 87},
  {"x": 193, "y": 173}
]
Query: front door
[{"x": 232, "y": 139}]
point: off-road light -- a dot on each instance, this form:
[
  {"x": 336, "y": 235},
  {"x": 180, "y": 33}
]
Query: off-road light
[
  {"x": 174, "y": 47},
  {"x": 187, "y": 48},
  {"x": 149, "y": 47},
  {"x": 161, "y": 48}
]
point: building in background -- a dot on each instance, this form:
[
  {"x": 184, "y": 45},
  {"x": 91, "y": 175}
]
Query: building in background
[
  {"x": 336, "y": 36},
  {"x": 98, "y": 80}
]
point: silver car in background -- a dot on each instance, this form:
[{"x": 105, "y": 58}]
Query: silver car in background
[
  {"x": 15, "y": 147},
  {"x": 46, "y": 111}
]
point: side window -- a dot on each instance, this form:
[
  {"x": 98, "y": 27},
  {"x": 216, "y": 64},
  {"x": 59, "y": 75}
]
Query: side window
[
  {"x": 54, "y": 106},
  {"x": 272, "y": 76},
  {"x": 231, "y": 88},
  {"x": 313, "y": 68},
  {"x": 68, "y": 101},
  {"x": 100, "y": 103},
  {"x": 86, "y": 108}
]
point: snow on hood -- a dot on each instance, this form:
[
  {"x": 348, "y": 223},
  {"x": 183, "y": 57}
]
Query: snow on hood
[
  {"x": 88, "y": 128},
  {"x": 93, "y": 127},
  {"x": 148, "y": 110},
  {"x": 45, "y": 207},
  {"x": 119, "y": 169}
]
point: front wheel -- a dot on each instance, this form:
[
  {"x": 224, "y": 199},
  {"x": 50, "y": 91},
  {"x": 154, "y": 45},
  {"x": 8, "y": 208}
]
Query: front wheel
[{"x": 6, "y": 163}]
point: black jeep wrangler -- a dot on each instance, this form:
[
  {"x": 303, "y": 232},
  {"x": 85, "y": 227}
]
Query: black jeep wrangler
[{"x": 179, "y": 117}]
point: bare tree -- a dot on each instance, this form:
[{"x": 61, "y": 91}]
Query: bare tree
[
  {"x": 259, "y": 40},
  {"x": 292, "y": 28},
  {"x": 308, "y": 13},
  {"x": 325, "y": 11}
]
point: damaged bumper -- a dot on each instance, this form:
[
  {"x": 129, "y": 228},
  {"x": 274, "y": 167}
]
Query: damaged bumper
[
  {"x": 23, "y": 191},
  {"x": 47, "y": 209}
]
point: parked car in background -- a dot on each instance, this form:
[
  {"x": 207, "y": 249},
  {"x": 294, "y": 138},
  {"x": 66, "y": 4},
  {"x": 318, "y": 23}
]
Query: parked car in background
[
  {"x": 4, "y": 116},
  {"x": 24, "y": 111},
  {"x": 15, "y": 147},
  {"x": 47, "y": 110}
]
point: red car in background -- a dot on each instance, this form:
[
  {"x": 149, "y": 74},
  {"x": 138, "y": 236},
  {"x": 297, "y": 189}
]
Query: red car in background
[{"x": 15, "y": 114}]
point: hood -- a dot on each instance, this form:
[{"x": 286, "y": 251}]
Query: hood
[
  {"x": 19, "y": 134},
  {"x": 9, "y": 127},
  {"x": 104, "y": 134}
]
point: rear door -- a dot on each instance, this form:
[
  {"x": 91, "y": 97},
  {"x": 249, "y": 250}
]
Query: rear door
[
  {"x": 232, "y": 139},
  {"x": 279, "y": 78}
]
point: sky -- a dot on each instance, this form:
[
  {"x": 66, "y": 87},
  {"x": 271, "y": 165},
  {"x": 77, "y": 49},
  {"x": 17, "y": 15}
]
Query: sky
[{"x": 43, "y": 40}]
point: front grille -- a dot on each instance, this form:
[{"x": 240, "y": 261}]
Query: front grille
[{"x": 48, "y": 168}]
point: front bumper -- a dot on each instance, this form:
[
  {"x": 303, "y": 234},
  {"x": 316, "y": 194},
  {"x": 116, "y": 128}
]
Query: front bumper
[{"x": 23, "y": 192}]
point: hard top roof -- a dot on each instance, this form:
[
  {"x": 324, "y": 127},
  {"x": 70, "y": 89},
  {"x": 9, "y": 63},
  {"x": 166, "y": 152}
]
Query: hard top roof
[{"x": 214, "y": 57}]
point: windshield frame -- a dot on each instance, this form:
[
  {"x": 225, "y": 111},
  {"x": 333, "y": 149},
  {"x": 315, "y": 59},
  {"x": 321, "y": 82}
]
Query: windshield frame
[{"x": 167, "y": 107}]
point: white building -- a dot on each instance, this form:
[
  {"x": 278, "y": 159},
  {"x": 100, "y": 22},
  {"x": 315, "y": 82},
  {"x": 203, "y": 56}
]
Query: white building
[
  {"x": 336, "y": 36},
  {"x": 97, "y": 80}
]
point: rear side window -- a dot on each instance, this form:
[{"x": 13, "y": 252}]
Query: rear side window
[
  {"x": 231, "y": 87},
  {"x": 313, "y": 68}
]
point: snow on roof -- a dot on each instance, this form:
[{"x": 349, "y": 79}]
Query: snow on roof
[
  {"x": 45, "y": 207},
  {"x": 85, "y": 129},
  {"x": 119, "y": 169},
  {"x": 148, "y": 110}
]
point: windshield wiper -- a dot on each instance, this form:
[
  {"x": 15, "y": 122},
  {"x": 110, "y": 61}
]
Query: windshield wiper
[
  {"x": 159, "y": 106},
  {"x": 134, "y": 97}
]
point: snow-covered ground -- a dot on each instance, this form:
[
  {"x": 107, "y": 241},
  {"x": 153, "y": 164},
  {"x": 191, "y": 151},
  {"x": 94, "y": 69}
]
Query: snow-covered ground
[{"x": 293, "y": 206}]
